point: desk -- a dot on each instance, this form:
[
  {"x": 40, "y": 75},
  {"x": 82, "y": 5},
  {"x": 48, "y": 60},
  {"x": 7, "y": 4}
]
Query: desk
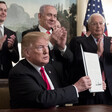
[{"x": 90, "y": 108}]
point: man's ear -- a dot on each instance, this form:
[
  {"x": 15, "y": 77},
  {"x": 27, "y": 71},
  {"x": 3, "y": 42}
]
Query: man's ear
[
  {"x": 26, "y": 52},
  {"x": 39, "y": 15}
]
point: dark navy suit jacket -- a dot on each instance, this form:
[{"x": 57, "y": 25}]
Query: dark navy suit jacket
[
  {"x": 7, "y": 56},
  {"x": 89, "y": 45},
  {"x": 28, "y": 90}
]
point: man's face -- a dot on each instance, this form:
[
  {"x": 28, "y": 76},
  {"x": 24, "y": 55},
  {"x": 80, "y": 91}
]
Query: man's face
[
  {"x": 57, "y": 25},
  {"x": 38, "y": 53},
  {"x": 3, "y": 12},
  {"x": 48, "y": 18},
  {"x": 97, "y": 26}
]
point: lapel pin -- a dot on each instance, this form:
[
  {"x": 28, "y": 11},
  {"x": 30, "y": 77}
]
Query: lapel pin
[
  {"x": 49, "y": 71},
  {"x": 52, "y": 59}
]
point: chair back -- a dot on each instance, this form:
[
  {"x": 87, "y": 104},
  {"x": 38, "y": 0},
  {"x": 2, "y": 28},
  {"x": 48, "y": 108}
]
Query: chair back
[{"x": 4, "y": 94}]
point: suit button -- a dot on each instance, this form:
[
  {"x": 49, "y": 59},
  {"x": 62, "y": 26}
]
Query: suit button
[
  {"x": 50, "y": 72},
  {"x": 52, "y": 59}
]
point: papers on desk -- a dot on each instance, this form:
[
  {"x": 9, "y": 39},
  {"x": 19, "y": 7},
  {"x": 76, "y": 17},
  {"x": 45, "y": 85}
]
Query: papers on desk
[{"x": 92, "y": 69}]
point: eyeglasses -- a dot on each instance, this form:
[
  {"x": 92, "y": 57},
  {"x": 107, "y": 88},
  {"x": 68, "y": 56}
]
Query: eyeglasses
[{"x": 99, "y": 23}]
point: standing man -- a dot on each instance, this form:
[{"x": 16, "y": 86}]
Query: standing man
[
  {"x": 60, "y": 55},
  {"x": 98, "y": 43},
  {"x": 8, "y": 44},
  {"x": 28, "y": 87}
]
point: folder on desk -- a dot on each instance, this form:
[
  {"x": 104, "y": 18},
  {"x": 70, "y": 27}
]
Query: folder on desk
[{"x": 92, "y": 69}]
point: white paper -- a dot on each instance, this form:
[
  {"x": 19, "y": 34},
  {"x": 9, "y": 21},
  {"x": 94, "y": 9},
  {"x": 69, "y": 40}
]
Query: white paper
[{"x": 92, "y": 69}]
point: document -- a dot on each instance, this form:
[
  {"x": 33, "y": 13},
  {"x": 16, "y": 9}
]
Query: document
[{"x": 92, "y": 69}]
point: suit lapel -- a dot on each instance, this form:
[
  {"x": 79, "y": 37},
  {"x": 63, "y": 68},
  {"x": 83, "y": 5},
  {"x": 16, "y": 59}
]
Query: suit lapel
[
  {"x": 52, "y": 75},
  {"x": 50, "y": 71},
  {"x": 37, "y": 29},
  {"x": 35, "y": 74},
  {"x": 40, "y": 79},
  {"x": 107, "y": 44},
  {"x": 91, "y": 42},
  {"x": 5, "y": 30}
]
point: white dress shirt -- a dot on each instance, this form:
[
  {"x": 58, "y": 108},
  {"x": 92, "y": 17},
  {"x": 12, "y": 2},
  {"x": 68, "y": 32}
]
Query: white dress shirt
[
  {"x": 2, "y": 30},
  {"x": 50, "y": 44}
]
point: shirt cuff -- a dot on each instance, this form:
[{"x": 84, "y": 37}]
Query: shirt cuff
[
  {"x": 10, "y": 50},
  {"x": 63, "y": 51},
  {"x": 51, "y": 46}
]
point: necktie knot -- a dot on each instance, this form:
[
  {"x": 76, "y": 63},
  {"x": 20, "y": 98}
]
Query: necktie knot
[
  {"x": 42, "y": 69},
  {"x": 48, "y": 32},
  {"x": 97, "y": 39}
]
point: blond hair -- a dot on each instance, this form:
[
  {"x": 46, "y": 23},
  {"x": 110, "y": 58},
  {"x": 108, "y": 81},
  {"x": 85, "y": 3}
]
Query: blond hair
[{"x": 30, "y": 38}]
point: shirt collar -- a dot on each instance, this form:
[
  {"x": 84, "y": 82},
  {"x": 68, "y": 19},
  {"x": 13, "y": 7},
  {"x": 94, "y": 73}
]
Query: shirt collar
[
  {"x": 2, "y": 26},
  {"x": 35, "y": 66},
  {"x": 44, "y": 30},
  {"x": 2, "y": 29},
  {"x": 96, "y": 39}
]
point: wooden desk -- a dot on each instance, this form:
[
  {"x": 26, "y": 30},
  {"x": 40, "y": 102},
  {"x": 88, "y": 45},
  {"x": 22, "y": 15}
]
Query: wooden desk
[{"x": 91, "y": 108}]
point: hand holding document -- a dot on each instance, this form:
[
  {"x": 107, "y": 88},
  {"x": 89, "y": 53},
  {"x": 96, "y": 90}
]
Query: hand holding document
[{"x": 92, "y": 69}]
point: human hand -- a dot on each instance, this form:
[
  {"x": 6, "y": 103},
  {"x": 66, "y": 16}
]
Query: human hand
[
  {"x": 100, "y": 47},
  {"x": 2, "y": 39},
  {"x": 104, "y": 85},
  {"x": 57, "y": 32},
  {"x": 83, "y": 84},
  {"x": 11, "y": 41},
  {"x": 61, "y": 41}
]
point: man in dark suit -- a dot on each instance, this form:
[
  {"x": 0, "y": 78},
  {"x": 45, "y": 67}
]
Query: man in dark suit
[
  {"x": 26, "y": 83},
  {"x": 60, "y": 55},
  {"x": 100, "y": 44},
  {"x": 8, "y": 44}
]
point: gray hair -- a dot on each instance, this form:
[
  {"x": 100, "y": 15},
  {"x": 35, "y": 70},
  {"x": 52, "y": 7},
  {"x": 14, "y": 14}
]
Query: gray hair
[
  {"x": 42, "y": 8},
  {"x": 93, "y": 15}
]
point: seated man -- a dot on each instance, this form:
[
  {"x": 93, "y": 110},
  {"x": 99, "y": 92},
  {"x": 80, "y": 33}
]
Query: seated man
[{"x": 33, "y": 87}]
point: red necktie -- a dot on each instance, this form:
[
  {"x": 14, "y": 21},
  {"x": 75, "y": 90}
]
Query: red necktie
[
  {"x": 45, "y": 78},
  {"x": 48, "y": 32}
]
